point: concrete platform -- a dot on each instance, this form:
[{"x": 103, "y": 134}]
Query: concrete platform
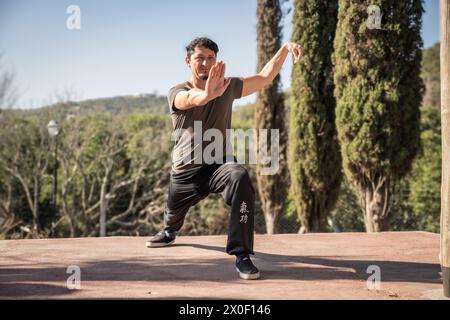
[{"x": 310, "y": 266}]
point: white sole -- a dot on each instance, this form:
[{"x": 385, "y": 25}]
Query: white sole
[
  {"x": 149, "y": 244},
  {"x": 245, "y": 276}
]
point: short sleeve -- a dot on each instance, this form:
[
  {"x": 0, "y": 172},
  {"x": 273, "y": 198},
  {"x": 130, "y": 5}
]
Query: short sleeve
[
  {"x": 236, "y": 86},
  {"x": 171, "y": 97}
]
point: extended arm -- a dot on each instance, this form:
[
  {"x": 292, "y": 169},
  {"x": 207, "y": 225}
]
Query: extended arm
[{"x": 271, "y": 69}]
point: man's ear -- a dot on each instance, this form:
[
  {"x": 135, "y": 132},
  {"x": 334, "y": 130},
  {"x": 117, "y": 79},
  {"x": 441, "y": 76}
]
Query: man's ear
[{"x": 188, "y": 62}]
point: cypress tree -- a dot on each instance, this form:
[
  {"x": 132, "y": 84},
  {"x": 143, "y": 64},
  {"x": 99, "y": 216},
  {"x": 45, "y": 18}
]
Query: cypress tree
[
  {"x": 270, "y": 113},
  {"x": 314, "y": 158},
  {"x": 378, "y": 91}
]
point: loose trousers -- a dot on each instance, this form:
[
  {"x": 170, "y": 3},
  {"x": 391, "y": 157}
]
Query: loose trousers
[{"x": 233, "y": 182}]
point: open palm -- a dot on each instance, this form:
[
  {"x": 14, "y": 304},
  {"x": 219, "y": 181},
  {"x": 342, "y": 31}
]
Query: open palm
[{"x": 216, "y": 83}]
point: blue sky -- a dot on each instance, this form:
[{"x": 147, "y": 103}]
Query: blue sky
[{"x": 131, "y": 47}]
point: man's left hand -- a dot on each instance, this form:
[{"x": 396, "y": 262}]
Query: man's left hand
[{"x": 296, "y": 50}]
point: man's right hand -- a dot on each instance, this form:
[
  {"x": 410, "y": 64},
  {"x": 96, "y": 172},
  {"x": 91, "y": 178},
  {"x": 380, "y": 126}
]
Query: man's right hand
[
  {"x": 215, "y": 86},
  {"x": 216, "y": 83}
]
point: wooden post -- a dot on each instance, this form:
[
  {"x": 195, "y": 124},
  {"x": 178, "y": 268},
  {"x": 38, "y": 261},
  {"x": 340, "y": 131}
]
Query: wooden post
[{"x": 445, "y": 121}]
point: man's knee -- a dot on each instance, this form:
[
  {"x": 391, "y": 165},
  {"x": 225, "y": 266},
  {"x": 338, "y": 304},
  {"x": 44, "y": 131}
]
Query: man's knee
[{"x": 239, "y": 174}]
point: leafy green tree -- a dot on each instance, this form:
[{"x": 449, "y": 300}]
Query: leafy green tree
[
  {"x": 24, "y": 159},
  {"x": 379, "y": 91},
  {"x": 425, "y": 182},
  {"x": 314, "y": 158},
  {"x": 270, "y": 114}
]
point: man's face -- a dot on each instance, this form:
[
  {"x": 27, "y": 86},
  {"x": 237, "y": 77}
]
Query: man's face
[{"x": 201, "y": 61}]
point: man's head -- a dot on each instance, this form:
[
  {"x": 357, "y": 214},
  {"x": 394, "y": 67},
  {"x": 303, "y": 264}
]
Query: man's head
[{"x": 201, "y": 54}]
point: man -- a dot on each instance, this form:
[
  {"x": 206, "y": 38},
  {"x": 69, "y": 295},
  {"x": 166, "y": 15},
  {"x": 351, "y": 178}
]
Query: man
[{"x": 206, "y": 99}]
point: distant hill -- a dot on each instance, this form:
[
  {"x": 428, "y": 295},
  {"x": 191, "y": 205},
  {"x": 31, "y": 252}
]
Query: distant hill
[
  {"x": 144, "y": 103},
  {"x": 151, "y": 103}
]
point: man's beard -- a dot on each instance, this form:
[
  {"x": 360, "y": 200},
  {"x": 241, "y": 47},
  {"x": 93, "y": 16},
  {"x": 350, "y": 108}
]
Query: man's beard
[{"x": 204, "y": 77}]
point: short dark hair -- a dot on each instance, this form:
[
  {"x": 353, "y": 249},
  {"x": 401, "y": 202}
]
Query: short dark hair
[{"x": 201, "y": 42}]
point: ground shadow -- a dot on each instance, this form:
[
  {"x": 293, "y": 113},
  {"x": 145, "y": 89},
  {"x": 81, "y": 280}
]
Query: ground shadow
[
  {"x": 394, "y": 271},
  {"x": 24, "y": 289}
]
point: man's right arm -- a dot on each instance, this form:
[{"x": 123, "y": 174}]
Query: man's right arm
[
  {"x": 215, "y": 86},
  {"x": 188, "y": 99}
]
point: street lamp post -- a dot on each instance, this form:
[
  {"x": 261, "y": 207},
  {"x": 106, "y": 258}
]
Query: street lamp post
[{"x": 53, "y": 131}]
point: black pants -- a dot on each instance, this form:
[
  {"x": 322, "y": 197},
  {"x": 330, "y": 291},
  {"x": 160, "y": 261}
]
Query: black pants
[{"x": 233, "y": 182}]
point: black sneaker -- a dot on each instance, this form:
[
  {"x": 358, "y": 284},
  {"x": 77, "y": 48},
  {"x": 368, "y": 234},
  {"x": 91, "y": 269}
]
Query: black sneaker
[
  {"x": 161, "y": 239},
  {"x": 246, "y": 268}
]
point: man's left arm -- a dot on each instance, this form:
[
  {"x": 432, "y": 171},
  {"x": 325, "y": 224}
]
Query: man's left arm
[{"x": 271, "y": 69}]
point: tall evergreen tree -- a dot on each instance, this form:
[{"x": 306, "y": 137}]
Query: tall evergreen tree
[
  {"x": 314, "y": 158},
  {"x": 270, "y": 113},
  {"x": 379, "y": 91}
]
